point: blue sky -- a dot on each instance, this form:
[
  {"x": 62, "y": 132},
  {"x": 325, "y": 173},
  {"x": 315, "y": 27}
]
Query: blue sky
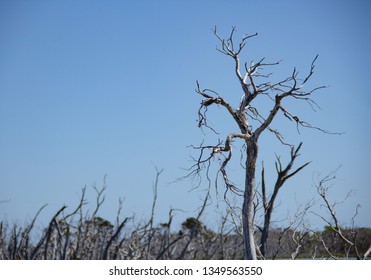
[{"x": 94, "y": 88}]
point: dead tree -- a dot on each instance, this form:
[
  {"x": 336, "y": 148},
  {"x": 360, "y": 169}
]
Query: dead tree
[
  {"x": 283, "y": 174},
  {"x": 251, "y": 121},
  {"x": 347, "y": 236}
]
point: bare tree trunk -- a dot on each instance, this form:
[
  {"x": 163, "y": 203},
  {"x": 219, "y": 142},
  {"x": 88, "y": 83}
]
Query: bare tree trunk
[
  {"x": 248, "y": 200},
  {"x": 265, "y": 234}
]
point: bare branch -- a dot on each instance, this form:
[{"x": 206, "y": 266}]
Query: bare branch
[
  {"x": 227, "y": 48},
  {"x": 302, "y": 123},
  {"x": 114, "y": 237},
  {"x": 100, "y": 197},
  {"x": 268, "y": 205},
  {"x": 210, "y": 100},
  {"x": 322, "y": 190},
  {"x": 79, "y": 206}
]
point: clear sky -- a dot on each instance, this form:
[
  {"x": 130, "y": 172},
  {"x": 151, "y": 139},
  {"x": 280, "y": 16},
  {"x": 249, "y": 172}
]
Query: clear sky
[{"x": 95, "y": 88}]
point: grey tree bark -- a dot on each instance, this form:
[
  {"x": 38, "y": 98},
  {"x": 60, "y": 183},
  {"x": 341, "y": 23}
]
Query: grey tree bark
[{"x": 248, "y": 200}]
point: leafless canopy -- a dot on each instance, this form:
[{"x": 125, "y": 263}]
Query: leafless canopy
[{"x": 255, "y": 83}]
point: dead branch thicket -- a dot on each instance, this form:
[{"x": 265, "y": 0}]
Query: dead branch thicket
[{"x": 78, "y": 235}]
